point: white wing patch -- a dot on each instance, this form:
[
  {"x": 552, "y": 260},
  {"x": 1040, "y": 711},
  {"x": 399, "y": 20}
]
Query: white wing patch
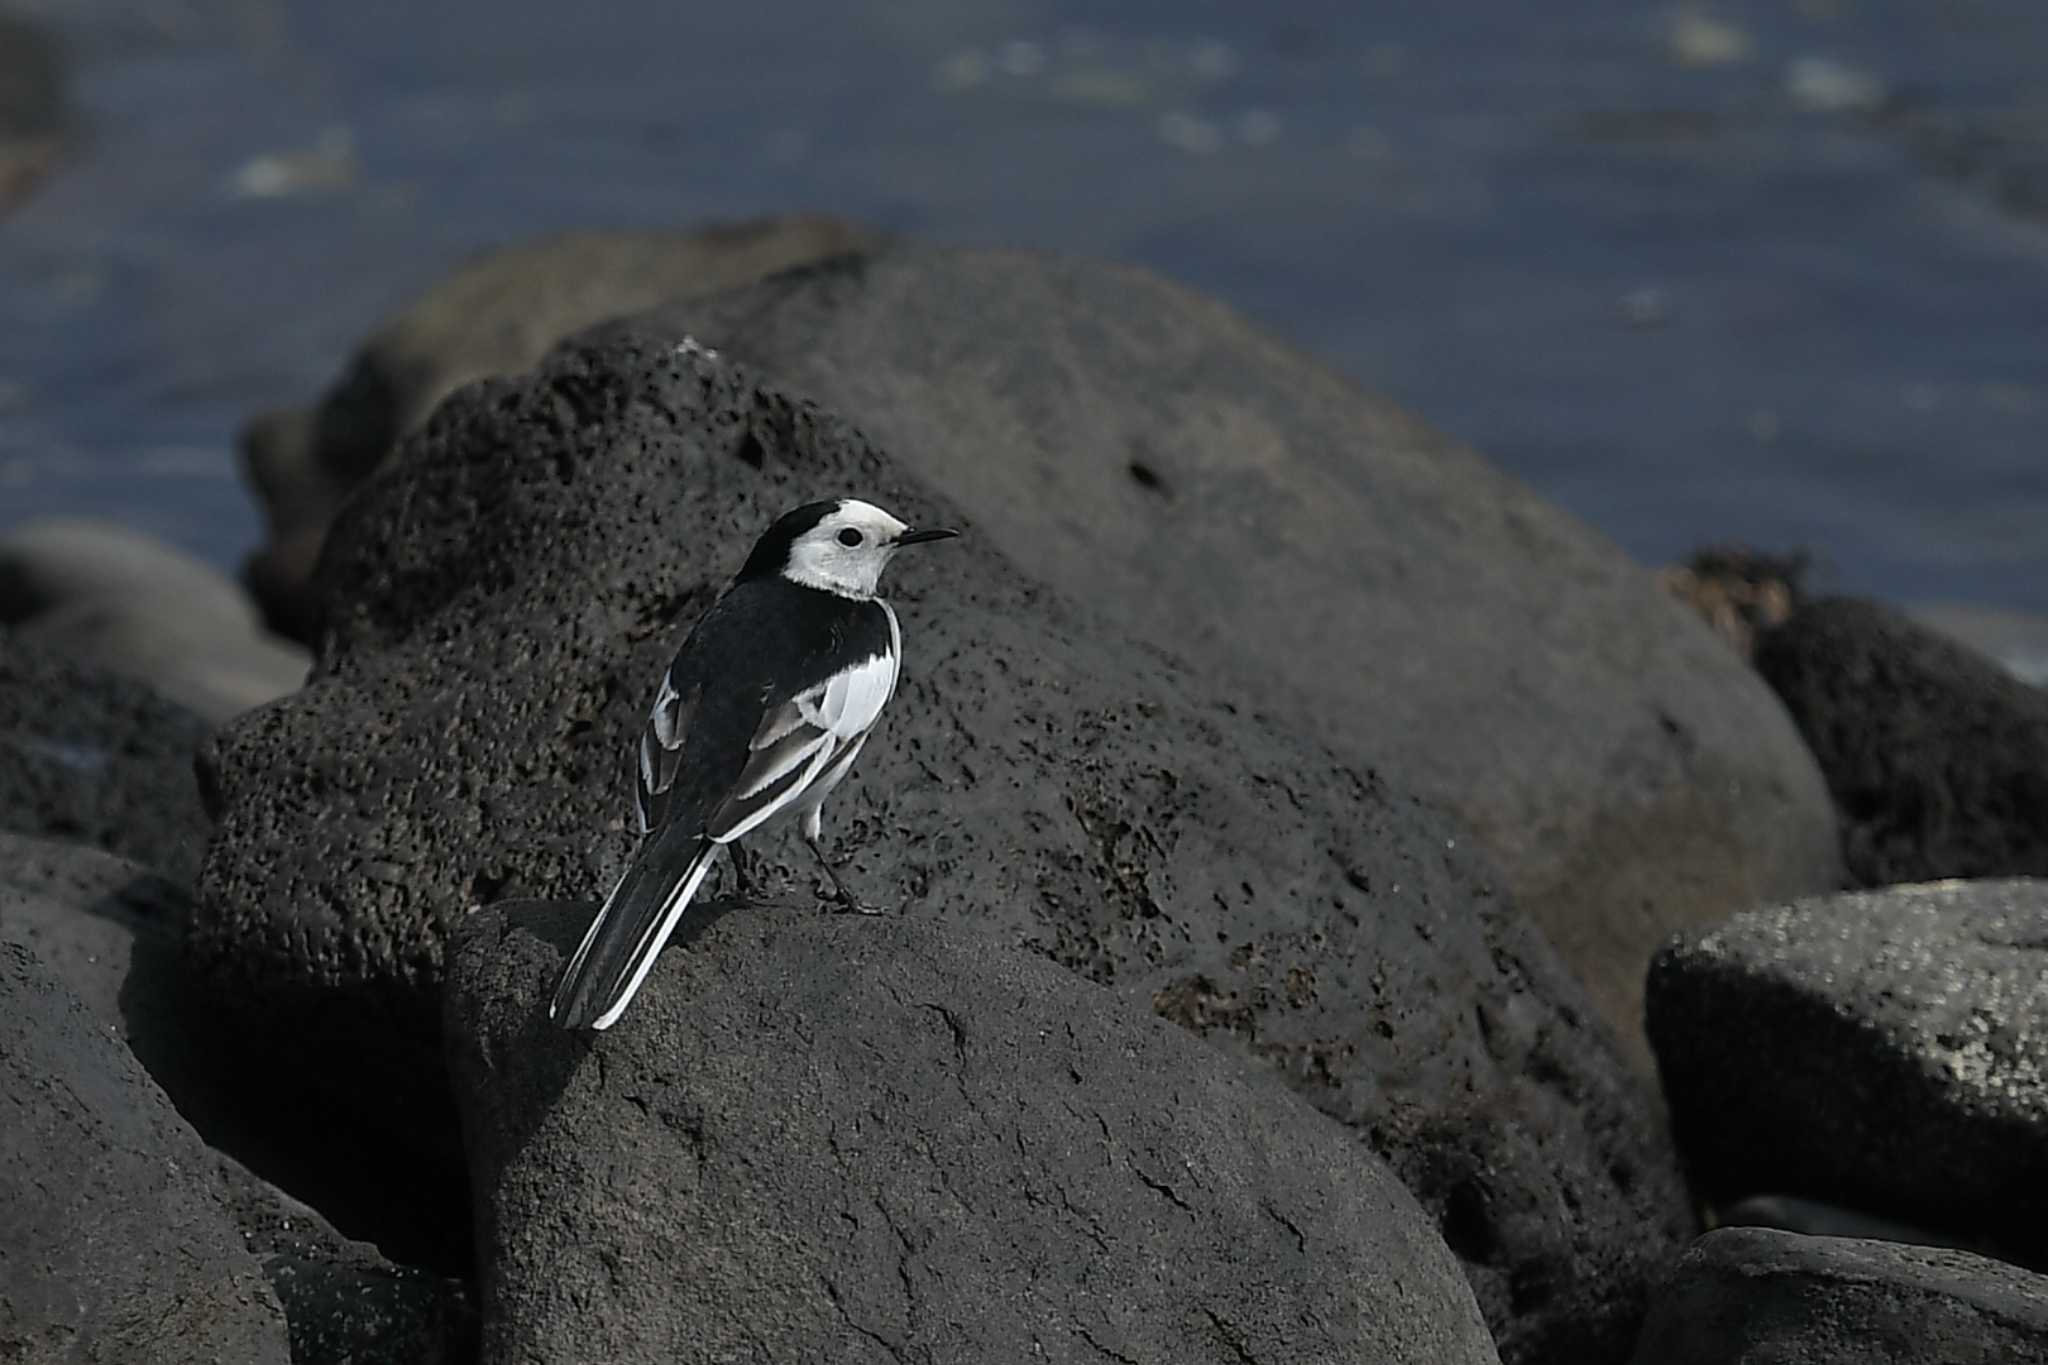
[
  {"x": 799, "y": 739},
  {"x": 661, "y": 747}
]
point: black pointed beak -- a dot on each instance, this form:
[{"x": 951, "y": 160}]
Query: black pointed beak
[{"x": 921, "y": 537}]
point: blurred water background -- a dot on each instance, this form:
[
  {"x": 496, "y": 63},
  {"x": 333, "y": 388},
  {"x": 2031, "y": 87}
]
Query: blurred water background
[{"x": 1773, "y": 271}]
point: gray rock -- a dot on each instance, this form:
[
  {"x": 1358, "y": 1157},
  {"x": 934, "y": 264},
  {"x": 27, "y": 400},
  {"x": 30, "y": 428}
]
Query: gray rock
[
  {"x": 54, "y": 562},
  {"x": 133, "y": 605},
  {"x": 113, "y": 1245},
  {"x": 1884, "y": 1050},
  {"x": 500, "y": 601},
  {"x": 109, "y": 932},
  {"x": 497, "y": 315},
  {"x": 885, "y": 1139},
  {"x": 1221, "y": 495},
  {"x": 1937, "y": 757},
  {"x": 91, "y": 757},
  {"x": 1745, "y": 1296},
  {"x": 34, "y": 111}
]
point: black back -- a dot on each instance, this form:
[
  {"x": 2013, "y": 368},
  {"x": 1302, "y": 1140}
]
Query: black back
[{"x": 761, "y": 644}]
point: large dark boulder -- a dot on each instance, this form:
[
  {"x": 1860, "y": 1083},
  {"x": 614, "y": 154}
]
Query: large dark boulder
[
  {"x": 1937, "y": 757},
  {"x": 110, "y": 932},
  {"x": 890, "y": 1139},
  {"x": 1744, "y": 1296},
  {"x": 113, "y": 1243},
  {"x": 496, "y": 315},
  {"x": 1885, "y": 1050},
  {"x": 502, "y": 596},
  {"x": 1383, "y": 588},
  {"x": 92, "y": 757}
]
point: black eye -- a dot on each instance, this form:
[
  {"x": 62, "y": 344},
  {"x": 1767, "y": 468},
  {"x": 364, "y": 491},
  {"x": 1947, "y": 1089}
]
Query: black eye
[{"x": 849, "y": 537}]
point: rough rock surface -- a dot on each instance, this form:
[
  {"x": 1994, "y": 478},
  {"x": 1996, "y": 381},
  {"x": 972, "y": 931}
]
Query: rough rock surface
[
  {"x": 1884, "y": 1050},
  {"x": 501, "y": 598},
  {"x": 135, "y": 606},
  {"x": 95, "y": 758},
  {"x": 1221, "y": 495},
  {"x": 109, "y": 931},
  {"x": 1937, "y": 757},
  {"x": 113, "y": 1246},
  {"x": 885, "y": 1139},
  {"x": 1744, "y": 1296},
  {"x": 497, "y": 315}
]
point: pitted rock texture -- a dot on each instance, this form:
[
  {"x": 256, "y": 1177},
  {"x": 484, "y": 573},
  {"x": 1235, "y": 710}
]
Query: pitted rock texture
[
  {"x": 1209, "y": 489},
  {"x": 1743, "y": 1296},
  {"x": 1937, "y": 757},
  {"x": 90, "y": 757},
  {"x": 1884, "y": 1050},
  {"x": 501, "y": 599},
  {"x": 113, "y": 1244},
  {"x": 496, "y": 315},
  {"x": 891, "y": 1139}
]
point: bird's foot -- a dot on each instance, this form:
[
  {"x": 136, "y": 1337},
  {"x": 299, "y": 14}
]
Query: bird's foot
[{"x": 849, "y": 904}]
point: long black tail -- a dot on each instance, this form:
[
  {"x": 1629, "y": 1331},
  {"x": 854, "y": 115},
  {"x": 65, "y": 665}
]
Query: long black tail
[{"x": 628, "y": 933}]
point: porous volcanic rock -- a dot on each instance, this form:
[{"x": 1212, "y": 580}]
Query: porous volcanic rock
[
  {"x": 91, "y": 757},
  {"x": 500, "y": 599},
  {"x": 1883, "y": 1050},
  {"x": 496, "y": 315},
  {"x": 1937, "y": 757}
]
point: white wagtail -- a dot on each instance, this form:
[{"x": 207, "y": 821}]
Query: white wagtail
[{"x": 764, "y": 709}]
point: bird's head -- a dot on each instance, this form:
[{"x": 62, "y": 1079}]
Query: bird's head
[{"x": 840, "y": 546}]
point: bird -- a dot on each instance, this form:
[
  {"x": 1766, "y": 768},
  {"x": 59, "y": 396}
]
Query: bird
[{"x": 763, "y": 710}]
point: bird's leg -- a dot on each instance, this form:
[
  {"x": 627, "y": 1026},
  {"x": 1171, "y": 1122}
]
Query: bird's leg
[
  {"x": 813, "y": 830},
  {"x": 742, "y": 871}
]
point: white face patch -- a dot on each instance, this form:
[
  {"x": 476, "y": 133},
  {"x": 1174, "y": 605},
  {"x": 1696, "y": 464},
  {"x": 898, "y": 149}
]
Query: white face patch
[{"x": 847, "y": 551}]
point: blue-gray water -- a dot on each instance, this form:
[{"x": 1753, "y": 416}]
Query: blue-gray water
[{"x": 1773, "y": 271}]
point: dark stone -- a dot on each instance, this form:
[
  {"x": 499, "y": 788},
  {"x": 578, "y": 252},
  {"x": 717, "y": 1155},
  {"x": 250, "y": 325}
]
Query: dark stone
[
  {"x": 111, "y": 932},
  {"x": 113, "y": 1244},
  {"x": 1884, "y": 1050},
  {"x": 90, "y": 757},
  {"x": 1219, "y": 494},
  {"x": 344, "y": 1302},
  {"x": 1745, "y": 1296},
  {"x": 1936, "y": 756},
  {"x": 501, "y": 599},
  {"x": 891, "y": 1139},
  {"x": 498, "y": 315}
]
